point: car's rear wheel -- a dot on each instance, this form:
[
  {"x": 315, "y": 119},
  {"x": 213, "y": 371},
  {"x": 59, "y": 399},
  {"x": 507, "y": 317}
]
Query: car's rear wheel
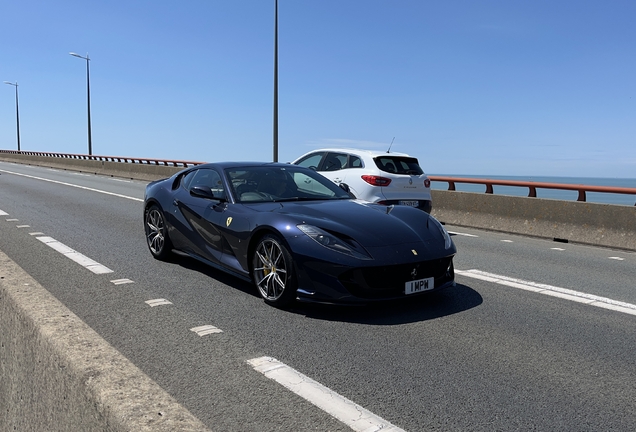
[
  {"x": 157, "y": 233},
  {"x": 272, "y": 271}
]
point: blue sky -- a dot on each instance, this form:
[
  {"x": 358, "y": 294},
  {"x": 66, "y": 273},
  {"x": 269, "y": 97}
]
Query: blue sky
[{"x": 486, "y": 88}]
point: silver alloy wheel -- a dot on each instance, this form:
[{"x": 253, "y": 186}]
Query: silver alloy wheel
[
  {"x": 155, "y": 227},
  {"x": 270, "y": 269}
]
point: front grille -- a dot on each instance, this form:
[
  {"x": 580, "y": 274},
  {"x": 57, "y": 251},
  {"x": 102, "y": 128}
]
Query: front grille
[{"x": 388, "y": 281}]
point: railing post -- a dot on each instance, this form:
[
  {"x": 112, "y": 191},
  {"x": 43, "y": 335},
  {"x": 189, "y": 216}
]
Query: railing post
[
  {"x": 533, "y": 192},
  {"x": 581, "y": 195}
]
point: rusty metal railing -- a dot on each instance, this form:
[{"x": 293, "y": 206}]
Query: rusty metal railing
[
  {"x": 121, "y": 159},
  {"x": 533, "y": 186}
]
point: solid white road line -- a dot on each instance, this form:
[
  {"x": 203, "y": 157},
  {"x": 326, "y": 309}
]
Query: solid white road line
[
  {"x": 462, "y": 234},
  {"x": 564, "y": 293},
  {"x": 82, "y": 260},
  {"x": 74, "y": 185},
  {"x": 348, "y": 412}
]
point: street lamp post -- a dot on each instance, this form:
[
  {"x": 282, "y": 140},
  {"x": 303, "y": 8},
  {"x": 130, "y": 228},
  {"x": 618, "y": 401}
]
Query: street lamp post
[
  {"x": 276, "y": 82},
  {"x": 17, "y": 111},
  {"x": 88, "y": 95}
]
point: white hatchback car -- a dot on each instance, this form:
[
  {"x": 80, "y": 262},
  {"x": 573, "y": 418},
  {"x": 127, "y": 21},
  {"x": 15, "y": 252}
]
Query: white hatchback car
[{"x": 385, "y": 178}]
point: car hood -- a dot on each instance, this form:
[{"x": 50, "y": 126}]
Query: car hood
[{"x": 370, "y": 224}]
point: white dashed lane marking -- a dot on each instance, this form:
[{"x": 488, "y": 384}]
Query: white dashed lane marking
[
  {"x": 158, "y": 302},
  {"x": 82, "y": 260},
  {"x": 206, "y": 330},
  {"x": 564, "y": 293},
  {"x": 121, "y": 281},
  {"x": 2, "y": 213},
  {"x": 510, "y": 241},
  {"x": 348, "y": 412}
]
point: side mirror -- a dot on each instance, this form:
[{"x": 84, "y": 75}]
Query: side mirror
[
  {"x": 202, "y": 192},
  {"x": 347, "y": 189}
]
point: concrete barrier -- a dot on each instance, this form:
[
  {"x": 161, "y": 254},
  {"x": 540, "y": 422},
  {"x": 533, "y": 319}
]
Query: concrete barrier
[
  {"x": 608, "y": 225},
  {"x": 133, "y": 171},
  {"x": 57, "y": 374}
]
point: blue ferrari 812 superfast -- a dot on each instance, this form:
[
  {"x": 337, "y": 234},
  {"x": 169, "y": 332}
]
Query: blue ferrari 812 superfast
[{"x": 296, "y": 234}]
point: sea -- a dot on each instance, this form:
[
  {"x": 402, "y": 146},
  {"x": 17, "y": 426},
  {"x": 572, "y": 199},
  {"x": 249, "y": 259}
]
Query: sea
[{"x": 594, "y": 197}]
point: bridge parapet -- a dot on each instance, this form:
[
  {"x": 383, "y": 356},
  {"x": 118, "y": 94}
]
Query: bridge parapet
[{"x": 607, "y": 225}]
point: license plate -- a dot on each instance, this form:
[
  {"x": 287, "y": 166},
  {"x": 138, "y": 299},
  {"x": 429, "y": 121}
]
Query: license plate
[
  {"x": 415, "y": 286},
  {"x": 410, "y": 203}
]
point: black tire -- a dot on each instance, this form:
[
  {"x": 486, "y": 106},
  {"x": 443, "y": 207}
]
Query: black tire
[
  {"x": 157, "y": 238},
  {"x": 273, "y": 271}
]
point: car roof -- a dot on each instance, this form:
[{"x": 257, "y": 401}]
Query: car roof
[
  {"x": 227, "y": 164},
  {"x": 372, "y": 153}
]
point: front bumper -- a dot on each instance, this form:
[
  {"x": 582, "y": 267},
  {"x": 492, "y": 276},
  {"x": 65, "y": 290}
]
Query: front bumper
[{"x": 324, "y": 282}]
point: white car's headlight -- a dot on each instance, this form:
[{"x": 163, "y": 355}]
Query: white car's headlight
[
  {"x": 332, "y": 242},
  {"x": 447, "y": 238}
]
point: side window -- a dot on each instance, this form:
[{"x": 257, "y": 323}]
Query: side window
[
  {"x": 355, "y": 162},
  {"x": 334, "y": 162},
  {"x": 186, "y": 179},
  {"x": 210, "y": 178},
  {"x": 311, "y": 161}
]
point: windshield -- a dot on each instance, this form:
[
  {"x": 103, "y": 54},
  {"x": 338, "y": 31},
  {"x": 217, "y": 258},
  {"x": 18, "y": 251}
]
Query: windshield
[
  {"x": 399, "y": 165},
  {"x": 281, "y": 183}
]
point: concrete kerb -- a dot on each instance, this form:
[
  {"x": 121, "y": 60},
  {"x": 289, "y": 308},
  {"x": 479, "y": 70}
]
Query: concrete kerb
[
  {"x": 607, "y": 225},
  {"x": 56, "y": 373}
]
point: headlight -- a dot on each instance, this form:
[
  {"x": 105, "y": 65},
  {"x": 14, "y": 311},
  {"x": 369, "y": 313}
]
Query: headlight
[
  {"x": 447, "y": 238},
  {"x": 332, "y": 242}
]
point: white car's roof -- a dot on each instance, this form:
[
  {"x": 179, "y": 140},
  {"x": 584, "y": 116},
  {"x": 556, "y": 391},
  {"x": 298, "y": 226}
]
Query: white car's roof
[{"x": 372, "y": 153}]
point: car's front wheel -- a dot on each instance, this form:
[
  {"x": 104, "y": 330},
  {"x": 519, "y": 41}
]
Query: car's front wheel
[
  {"x": 272, "y": 271},
  {"x": 157, "y": 233}
]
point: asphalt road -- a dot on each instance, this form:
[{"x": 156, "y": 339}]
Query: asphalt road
[{"x": 482, "y": 356}]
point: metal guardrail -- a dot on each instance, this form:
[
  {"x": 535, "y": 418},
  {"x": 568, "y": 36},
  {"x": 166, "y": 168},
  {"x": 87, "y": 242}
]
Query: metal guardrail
[
  {"x": 533, "y": 186},
  {"x": 122, "y": 159}
]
